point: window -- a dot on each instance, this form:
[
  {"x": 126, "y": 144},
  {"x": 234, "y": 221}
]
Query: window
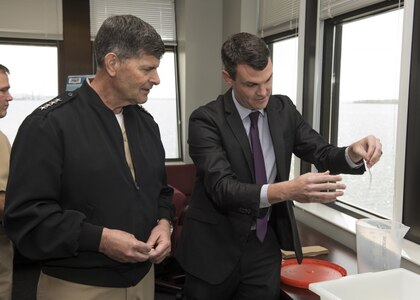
[
  {"x": 368, "y": 54},
  {"x": 285, "y": 66},
  {"x": 163, "y": 101},
  {"x": 163, "y": 105},
  {"x": 33, "y": 80}
]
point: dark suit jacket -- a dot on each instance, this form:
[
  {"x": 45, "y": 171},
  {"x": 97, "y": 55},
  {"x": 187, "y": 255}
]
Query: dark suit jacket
[{"x": 225, "y": 199}]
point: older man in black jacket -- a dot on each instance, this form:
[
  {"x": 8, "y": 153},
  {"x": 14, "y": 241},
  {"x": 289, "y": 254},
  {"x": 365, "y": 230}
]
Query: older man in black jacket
[{"x": 87, "y": 194}]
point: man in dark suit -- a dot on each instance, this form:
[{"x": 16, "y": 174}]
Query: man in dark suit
[{"x": 225, "y": 249}]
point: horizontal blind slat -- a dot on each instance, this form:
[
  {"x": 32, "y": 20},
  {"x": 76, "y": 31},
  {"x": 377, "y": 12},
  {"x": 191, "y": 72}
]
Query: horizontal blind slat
[
  {"x": 332, "y": 8},
  {"x": 33, "y": 19},
  {"x": 158, "y": 13}
]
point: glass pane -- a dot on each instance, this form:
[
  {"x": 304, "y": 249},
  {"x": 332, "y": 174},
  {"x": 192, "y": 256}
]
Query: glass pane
[
  {"x": 162, "y": 105},
  {"x": 33, "y": 81},
  {"x": 369, "y": 88},
  {"x": 285, "y": 66}
]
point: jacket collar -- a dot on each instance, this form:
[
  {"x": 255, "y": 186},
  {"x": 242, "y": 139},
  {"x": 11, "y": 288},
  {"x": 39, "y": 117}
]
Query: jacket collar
[{"x": 276, "y": 123}]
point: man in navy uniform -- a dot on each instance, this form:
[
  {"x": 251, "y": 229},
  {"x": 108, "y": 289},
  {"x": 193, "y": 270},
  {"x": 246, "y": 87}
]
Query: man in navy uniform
[
  {"x": 6, "y": 248},
  {"x": 87, "y": 193}
]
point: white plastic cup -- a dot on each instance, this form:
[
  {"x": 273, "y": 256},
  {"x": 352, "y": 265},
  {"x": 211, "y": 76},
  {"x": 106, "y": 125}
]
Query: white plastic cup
[{"x": 379, "y": 244}]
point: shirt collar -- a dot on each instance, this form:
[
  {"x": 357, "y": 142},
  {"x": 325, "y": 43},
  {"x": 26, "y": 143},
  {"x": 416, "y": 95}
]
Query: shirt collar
[{"x": 243, "y": 111}]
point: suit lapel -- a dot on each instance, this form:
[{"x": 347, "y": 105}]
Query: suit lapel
[
  {"x": 277, "y": 126},
  {"x": 238, "y": 130}
]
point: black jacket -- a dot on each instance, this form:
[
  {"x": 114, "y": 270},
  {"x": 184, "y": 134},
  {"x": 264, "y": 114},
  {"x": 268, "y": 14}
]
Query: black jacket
[{"x": 69, "y": 179}]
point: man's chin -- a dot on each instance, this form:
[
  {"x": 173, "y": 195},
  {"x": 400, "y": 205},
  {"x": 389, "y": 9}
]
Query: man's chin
[
  {"x": 261, "y": 104},
  {"x": 142, "y": 100}
]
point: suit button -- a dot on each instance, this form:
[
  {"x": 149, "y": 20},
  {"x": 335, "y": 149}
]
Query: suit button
[{"x": 243, "y": 210}]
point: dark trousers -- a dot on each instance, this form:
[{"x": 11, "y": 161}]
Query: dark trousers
[{"x": 257, "y": 275}]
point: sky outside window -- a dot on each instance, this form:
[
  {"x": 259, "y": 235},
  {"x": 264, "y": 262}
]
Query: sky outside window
[{"x": 33, "y": 79}]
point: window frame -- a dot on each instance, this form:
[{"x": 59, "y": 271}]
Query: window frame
[
  {"x": 335, "y": 219},
  {"x": 410, "y": 198},
  {"x": 15, "y": 90},
  {"x": 174, "y": 49},
  {"x": 330, "y": 86},
  {"x": 270, "y": 41},
  {"x": 36, "y": 42},
  {"x": 58, "y": 45},
  {"x": 330, "y": 106}
]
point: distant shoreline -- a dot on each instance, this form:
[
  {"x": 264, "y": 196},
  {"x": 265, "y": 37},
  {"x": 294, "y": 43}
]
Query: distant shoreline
[{"x": 389, "y": 101}]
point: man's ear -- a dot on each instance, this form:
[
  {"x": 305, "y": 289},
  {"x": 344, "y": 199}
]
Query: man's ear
[
  {"x": 111, "y": 63},
  {"x": 227, "y": 77}
]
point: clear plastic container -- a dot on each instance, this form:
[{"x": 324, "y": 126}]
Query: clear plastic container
[{"x": 379, "y": 244}]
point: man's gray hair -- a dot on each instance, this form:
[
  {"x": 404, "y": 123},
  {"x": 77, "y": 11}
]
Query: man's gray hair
[{"x": 127, "y": 36}]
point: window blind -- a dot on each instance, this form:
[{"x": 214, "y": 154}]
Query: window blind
[
  {"x": 158, "y": 13},
  {"x": 332, "y": 8},
  {"x": 278, "y": 16},
  {"x": 31, "y": 19}
]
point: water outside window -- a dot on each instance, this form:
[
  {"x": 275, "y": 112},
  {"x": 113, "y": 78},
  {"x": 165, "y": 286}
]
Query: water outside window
[{"x": 369, "y": 88}]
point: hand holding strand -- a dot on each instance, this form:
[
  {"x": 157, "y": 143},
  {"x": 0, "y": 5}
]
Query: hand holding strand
[
  {"x": 309, "y": 187},
  {"x": 369, "y": 148}
]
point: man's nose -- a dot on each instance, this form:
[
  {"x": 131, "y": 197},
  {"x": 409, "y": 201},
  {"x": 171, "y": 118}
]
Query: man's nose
[
  {"x": 262, "y": 90},
  {"x": 9, "y": 96},
  {"x": 155, "y": 79}
]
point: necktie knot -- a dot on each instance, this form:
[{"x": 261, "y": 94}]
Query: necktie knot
[{"x": 254, "y": 118}]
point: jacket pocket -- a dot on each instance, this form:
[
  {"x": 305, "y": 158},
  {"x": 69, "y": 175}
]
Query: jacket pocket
[{"x": 203, "y": 216}]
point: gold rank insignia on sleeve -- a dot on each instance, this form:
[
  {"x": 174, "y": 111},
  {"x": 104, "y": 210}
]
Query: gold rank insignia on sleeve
[{"x": 50, "y": 103}]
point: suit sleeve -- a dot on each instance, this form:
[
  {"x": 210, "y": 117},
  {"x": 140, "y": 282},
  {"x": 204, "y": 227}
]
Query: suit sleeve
[
  {"x": 219, "y": 162},
  {"x": 312, "y": 147}
]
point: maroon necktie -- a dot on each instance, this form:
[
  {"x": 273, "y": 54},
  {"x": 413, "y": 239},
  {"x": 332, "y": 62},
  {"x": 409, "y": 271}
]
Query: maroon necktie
[{"x": 259, "y": 167}]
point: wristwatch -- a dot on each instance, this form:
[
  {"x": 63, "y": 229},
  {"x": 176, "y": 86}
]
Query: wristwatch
[{"x": 171, "y": 226}]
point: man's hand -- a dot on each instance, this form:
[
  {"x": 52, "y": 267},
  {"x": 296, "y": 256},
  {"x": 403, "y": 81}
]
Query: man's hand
[
  {"x": 369, "y": 148},
  {"x": 123, "y": 246},
  {"x": 309, "y": 187},
  {"x": 160, "y": 241}
]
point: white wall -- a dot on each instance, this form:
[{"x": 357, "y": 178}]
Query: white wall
[
  {"x": 202, "y": 26},
  {"x": 199, "y": 30},
  {"x": 240, "y": 16}
]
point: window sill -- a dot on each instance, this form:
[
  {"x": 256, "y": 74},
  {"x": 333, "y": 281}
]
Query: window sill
[{"x": 342, "y": 228}]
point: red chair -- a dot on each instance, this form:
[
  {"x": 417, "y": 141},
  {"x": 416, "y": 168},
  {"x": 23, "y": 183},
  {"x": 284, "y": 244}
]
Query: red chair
[
  {"x": 181, "y": 177},
  {"x": 169, "y": 275}
]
